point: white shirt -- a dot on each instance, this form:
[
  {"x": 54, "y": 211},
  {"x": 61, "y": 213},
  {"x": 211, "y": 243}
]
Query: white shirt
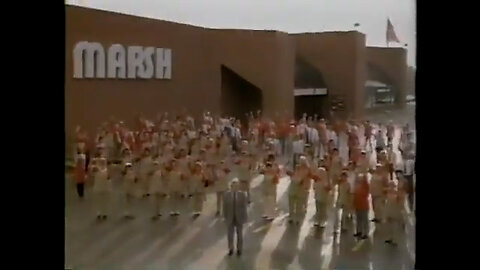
[
  {"x": 409, "y": 167},
  {"x": 298, "y": 147},
  {"x": 313, "y": 135}
]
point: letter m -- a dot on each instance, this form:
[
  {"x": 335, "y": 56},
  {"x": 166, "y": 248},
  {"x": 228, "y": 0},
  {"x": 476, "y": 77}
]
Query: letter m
[{"x": 88, "y": 60}]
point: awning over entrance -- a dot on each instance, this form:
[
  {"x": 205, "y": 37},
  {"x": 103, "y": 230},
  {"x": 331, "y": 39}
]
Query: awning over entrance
[
  {"x": 375, "y": 84},
  {"x": 310, "y": 92}
]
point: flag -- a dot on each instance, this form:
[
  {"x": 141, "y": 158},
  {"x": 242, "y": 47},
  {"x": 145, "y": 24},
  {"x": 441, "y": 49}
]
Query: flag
[{"x": 391, "y": 36}]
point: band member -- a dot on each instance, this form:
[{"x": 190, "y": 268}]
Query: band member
[
  {"x": 127, "y": 157},
  {"x": 343, "y": 150},
  {"x": 313, "y": 138},
  {"x": 102, "y": 186},
  {"x": 145, "y": 169},
  {"x": 225, "y": 147},
  {"x": 185, "y": 166},
  {"x": 198, "y": 183},
  {"x": 335, "y": 165},
  {"x": 323, "y": 135},
  {"x": 175, "y": 187},
  {"x": 158, "y": 189},
  {"x": 368, "y": 135},
  {"x": 379, "y": 140},
  {"x": 363, "y": 164},
  {"x": 322, "y": 191},
  {"x": 305, "y": 184},
  {"x": 390, "y": 132},
  {"x": 131, "y": 188},
  {"x": 300, "y": 179},
  {"x": 407, "y": 150},
  {"x": 353, "y": 142},
  {"x": 298, "y": 149},
  {"x": 269, "y": 190},
  {"x": 80, "y": 174},
  {"x": 392, "y": 160},
  {"x": 293, "y": 195},
  {"x": 378, "y": 185},
  {"x": 344, "y": 202},
  {"x": 393, "y": 212},
  {"x": 223, "y": 175},
  {"x": 360, "y": 198}
]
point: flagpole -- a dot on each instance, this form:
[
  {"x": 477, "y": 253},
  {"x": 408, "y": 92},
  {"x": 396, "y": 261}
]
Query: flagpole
[{"x": 388, "y": 43}]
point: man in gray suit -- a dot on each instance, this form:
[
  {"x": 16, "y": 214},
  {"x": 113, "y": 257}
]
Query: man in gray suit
[{"x": 235, "y": 213}]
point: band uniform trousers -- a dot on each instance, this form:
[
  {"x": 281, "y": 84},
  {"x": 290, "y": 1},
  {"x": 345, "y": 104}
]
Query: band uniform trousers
[
  {"x": 80, "y": 189},
  {"x": 362, "y": 222},
  {"x": 378, "y": 203}
]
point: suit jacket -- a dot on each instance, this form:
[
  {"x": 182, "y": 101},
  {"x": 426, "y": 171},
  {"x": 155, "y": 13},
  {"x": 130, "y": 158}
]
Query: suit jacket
[{"x": 240, "y": 207}]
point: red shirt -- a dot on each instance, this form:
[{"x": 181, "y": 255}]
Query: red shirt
[
  {"x": 360, "y": 199},
  {"x": 79, "y": 173},
  {"x": 284, "y": 129}
]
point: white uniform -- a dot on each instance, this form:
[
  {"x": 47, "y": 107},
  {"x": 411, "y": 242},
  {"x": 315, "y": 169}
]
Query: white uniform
[
  {"x": 224, "y": 147},
  {"x": 195, "y": 150},
  {"x": 336, "y": 166},
  {"x": 102, "y": 188},
  {"x": 378, "y": 198},
  {"x": 221, "y": 185},
  {"x": 130, "y": 185},
  {"x": 175, "y": 187},
  {"x": 191, "y": 134},
  {"x": 322, "y": 196},
  {"x": 157, "y": 184},
  {"x": 183, "y": 142},
  {"x": 197, "y": 189},
  {"x": 298, "y": 149},
  {"x": 343, "y": 147},
  {"x": 131, "y": 189},
  {"x": 344, "y": 204},
  {"x": 145, "y": 167},
  {"x": 269, "y": 190},
  {"x": 298, "y": 194},
  {"x": 393, "y": 213}
]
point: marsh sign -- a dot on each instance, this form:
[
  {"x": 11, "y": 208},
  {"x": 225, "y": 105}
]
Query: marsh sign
[{"x": 133, "y": 62}]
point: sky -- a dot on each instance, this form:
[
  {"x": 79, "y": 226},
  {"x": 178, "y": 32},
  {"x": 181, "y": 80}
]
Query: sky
[{"x": 291, "y": 16}]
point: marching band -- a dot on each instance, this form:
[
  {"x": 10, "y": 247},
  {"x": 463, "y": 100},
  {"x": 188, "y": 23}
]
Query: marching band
[{"x": 175, "y": 162}]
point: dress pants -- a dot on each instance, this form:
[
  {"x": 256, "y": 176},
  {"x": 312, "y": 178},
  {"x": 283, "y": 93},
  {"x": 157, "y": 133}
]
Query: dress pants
[
  {"x": 80, "y": 189},
  {"x": 220, "y": 201},
  {"x": 235, "y": 226},
  {"x": 321, "y": 211},
  {"x": 362, "y": 222}
]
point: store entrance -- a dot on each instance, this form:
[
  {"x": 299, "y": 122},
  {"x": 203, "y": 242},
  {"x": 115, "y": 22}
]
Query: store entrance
[
  {"x": 239, "y": 96},
  {"x": 310, "y": 90}
]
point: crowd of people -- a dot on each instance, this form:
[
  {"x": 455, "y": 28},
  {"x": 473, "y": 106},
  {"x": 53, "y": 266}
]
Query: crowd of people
[{"x": 176, "y": 160}]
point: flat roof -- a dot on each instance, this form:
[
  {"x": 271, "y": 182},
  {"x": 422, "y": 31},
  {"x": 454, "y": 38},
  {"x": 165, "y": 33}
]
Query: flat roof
[{"x": 207, "y": 28}]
